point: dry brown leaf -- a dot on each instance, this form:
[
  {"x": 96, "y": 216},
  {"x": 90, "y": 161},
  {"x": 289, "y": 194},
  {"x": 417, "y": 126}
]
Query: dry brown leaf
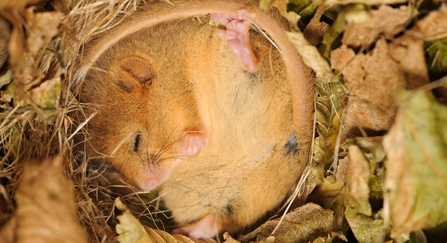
[
  {"x": 47, "y": 94},
  {"x": 12, "y": 10},
  {"x": 42, "y": 27},
  {"x": 386, "y": 70},
  {"x": 304, "y": 224},
  {"x": 416, "y": 182},
  {"x": 385, "y": 21},
  {"x": 311, "y": 57},
  {"x": 46, "y": 211},
  {"x": 370, "y": 110},
  {"x": 342, "y": 169},
  {"x": 130, "y": 230},
  {"x": 281, "y": 5},
  {"x": 357, "y": 181},
  {"x": 434, "y": 25},
  {"x": 228, "y": 239},
  {"x": 309, "y": 53},
  {"x": 331, "y": 237},
  {"x": 316, "y": 29},
  {"x": 371, "y": 147},
  {"x": 22, "y": 65},
  {"x": 32, "y": 33},
  {"x": 185, "y": 239},
  {"x": 342, "y": 57},
  {"x": 408, "y": 52},
  {"x": 27, "y": 54},
  {"x": 365, "y": 226},
  {"x": 366, "y": 2},
  {"x": 327, "y": 192}
]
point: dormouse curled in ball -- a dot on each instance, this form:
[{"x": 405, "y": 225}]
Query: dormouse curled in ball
[{"x": 217, "y": 117}]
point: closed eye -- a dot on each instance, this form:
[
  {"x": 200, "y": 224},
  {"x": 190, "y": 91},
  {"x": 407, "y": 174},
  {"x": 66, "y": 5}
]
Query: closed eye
[{"x": 136, "y": 145}]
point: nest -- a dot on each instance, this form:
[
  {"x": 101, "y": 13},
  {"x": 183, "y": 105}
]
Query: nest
[{"x": 41, "y": 127}]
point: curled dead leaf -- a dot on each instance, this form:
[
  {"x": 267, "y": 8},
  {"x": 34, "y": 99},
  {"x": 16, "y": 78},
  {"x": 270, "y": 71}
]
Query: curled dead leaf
[
  {"x": 130, "y": 230},
  {"x": 316, "y": 29},
  {"x": 228, "y": 239},
  {"x": 46, "y": 210},
  {"x": 434, "y": 25},
  {"x": 387, "y": 69},
  {"x": 304, "y": 224},
  {"x": 357, "y": 182},
  {"x": 366, "y": 2},
  {"x": 311, "y": 56},
  {"x": 416, "y": 182},
  {"x": 43, "y": 26},
  {"x": 32, "y": 33},
  {"x": 47, "y": 94},
  {"x": 366, "y": 226},
  {"x": 342, "y": 169},
  {"x": 385, "y": 21},
  {"x": 331, "y": 237}
]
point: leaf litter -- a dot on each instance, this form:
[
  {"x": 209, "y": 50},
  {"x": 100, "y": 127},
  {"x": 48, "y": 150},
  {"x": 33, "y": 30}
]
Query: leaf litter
[
  {"x": 415, "y": 180},
  {"x": 359, "y": 189}
]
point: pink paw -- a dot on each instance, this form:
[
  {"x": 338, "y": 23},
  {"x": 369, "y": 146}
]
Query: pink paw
[
  {"x": 207, "y": 227},
  {"x": 191, "y": 143},
  {"x": 237, "y": 35}
]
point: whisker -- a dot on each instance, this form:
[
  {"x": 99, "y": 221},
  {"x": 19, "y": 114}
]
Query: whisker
[{"x": 141, "y": 159}]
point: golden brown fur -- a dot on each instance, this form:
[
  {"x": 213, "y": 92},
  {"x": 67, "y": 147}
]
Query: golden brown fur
[{"x": 174, "y": 107}]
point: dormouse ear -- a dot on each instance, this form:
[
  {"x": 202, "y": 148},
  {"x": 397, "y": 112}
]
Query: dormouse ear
[{"x": 135, "y": 69}]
